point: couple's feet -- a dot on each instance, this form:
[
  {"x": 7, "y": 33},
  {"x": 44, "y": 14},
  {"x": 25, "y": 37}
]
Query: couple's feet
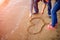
[{"x": 50, "y": 27}]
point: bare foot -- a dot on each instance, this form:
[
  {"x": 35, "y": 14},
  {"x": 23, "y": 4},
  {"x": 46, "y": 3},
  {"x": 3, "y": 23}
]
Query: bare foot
[{"x": 50, "y": 27}]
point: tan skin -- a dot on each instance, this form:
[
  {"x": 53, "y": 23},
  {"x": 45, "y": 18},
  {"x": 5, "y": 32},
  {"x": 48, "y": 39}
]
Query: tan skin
[
  {"x": 44, "y": 6},
  {"x": 42, "y": 11}
]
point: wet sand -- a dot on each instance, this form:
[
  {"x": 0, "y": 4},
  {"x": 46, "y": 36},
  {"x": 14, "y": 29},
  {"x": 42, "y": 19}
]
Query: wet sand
[{"x": 15, "y": 23}]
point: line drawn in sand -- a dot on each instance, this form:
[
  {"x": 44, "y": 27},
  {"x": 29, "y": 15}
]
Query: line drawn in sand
[{"x": 37, "y": 25}]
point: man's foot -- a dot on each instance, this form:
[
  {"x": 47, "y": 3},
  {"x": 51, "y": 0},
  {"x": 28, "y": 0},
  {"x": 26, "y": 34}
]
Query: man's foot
[
  {"x": 50, "y": 27},
  {"x": 35, "y": 13},
  {"x": 30, "y": 15}
]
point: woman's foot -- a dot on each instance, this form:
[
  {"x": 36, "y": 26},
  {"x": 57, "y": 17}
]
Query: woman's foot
[{"x": 50, "y": 27}]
